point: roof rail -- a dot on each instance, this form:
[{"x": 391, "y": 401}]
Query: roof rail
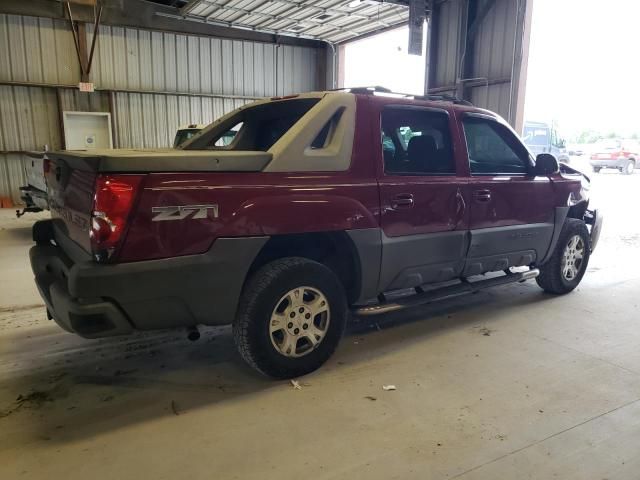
[
  {"x": 430, "y": 97},
  {"x": 443, "y": 98},
  {"x": 364, "y": 90}
]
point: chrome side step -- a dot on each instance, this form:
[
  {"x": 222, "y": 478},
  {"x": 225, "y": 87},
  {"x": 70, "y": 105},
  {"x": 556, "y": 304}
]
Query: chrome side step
[{"x": 446, "y": 292}]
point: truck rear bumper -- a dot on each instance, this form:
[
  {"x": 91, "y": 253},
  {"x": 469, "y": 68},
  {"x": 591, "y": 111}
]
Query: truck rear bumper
[{"x": 99, "y": 300}]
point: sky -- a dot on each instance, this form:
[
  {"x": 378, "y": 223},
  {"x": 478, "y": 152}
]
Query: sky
[
  {"x": 399, "y": 71},
  {"x": 583, "y": 73},
  {"x": 584, "y": 65}
]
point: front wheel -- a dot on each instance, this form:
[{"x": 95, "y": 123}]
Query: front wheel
[
  {"x": 291, "y": 316},
  {"x": 628, "y": 168},
  {"x": 564, "y": 270}
]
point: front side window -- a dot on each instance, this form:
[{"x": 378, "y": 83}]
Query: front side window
[
  {"x": 493, "y": 149},
  {"x": 416, "y": 142}
]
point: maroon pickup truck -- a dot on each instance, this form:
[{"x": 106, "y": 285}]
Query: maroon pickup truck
[{"x": 323, "y": 204}]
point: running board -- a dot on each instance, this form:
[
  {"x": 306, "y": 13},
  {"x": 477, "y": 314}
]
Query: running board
[{"x": 446, "y": 292}]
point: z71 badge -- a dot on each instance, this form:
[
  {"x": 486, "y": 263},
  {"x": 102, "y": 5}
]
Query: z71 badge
[{"x": 181, "y": 212}]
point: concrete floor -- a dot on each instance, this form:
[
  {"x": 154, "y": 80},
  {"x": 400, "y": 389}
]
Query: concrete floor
[{"x": 509, "y": 383}]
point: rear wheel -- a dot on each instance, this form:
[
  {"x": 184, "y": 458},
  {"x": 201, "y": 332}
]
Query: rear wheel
[
  {"x": 568, "y": 263},
  {"x": 291, "y": 317},
  {"x": 596, "y": 169},
  {"x": 628, "y": 168}
]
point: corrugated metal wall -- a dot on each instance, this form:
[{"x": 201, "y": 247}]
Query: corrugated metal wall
[
  {"x": 445, "y": 57},
  {"x": 133, "y": 59},
  {"x": 151, "y": 120},
  {"x": 498, "y": 49},
  {"x": 39, "y": 50},
  {"x": 161, "y": 80},
  {"x": 494, "y": 57},
  {"x": 29, "y": 122}
]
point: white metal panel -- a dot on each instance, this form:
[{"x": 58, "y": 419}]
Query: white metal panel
[
  {"x": 28, "y": 118},
  {"x": 445, "y": 62},
  {"x": 489, "y": 74},
  {"x": 87, "y": 130},
  {"x": 151, "y": 120},
  {"x": 75, "y": 101},
  {"x": 134, "y": 59},
  {"x": 13, "y": 175},
  {"x": 38, "y": 50}
]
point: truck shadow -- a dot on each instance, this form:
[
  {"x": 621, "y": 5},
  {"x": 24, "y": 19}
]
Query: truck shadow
[
  {"x": 18, "y": 233},
  {"x": 64, "y": 388}
]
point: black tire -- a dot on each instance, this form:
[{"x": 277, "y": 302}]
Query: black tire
[
  {"x": 596, "y": 169},
  {"x": 551, "y": 278},
  {"x": 262, "y": 294},
  {"x": 628, "y": 167}
]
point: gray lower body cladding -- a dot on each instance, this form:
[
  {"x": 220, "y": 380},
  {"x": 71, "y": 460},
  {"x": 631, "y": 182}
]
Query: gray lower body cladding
[
  {"x": 95, "y": 300},
  {"x": 414, "y": 260}
]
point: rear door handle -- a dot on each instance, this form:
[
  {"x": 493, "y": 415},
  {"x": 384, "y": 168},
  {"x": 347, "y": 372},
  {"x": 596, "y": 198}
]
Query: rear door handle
[
  {"x": 482, "y": 196},
  {"x": 402, "y": 200}
]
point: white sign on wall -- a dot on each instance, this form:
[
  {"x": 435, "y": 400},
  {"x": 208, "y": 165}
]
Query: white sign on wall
[{"x": 87, "y": 130}]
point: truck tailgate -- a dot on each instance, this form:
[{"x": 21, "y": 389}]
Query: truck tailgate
[{"x": 70, "y": 193}]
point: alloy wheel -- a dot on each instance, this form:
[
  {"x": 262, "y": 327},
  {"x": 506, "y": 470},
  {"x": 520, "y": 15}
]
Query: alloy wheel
[
  {"x": 572, "y": 258},
  {"x": 299, "y": 321}
]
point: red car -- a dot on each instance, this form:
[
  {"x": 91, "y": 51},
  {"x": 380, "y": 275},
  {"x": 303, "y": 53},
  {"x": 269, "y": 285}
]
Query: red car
[
  {"x": 323, "y": 204},
  {"x": 623, "y": 155}
]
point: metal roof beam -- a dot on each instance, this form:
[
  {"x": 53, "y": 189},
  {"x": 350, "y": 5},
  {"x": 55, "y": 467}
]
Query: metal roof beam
[
  {"x": 335, "y": 10},
  {"x": 150, "y": 16},
  {"x": 274, "y": 17}
]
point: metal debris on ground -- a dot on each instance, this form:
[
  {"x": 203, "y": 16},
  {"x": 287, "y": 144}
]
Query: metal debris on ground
[
  {"x": 296, "y": 385},
  {"x": 486, "y": 331},
  {"x": 388, "y": 388},
  {"x": 372, "y": 398}
]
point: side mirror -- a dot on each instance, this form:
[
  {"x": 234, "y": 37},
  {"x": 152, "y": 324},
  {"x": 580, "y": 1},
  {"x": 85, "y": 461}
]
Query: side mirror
[{"x": 546, "y": 164}]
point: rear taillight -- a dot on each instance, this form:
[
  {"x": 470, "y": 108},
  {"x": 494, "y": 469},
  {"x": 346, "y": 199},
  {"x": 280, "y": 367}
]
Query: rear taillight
[
  {"x": 46, "y": 165},
  {"x": 114, "y": 197}
]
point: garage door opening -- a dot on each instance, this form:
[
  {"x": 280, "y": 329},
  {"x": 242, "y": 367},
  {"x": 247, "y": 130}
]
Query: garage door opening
[{"x": 383, "y": 60}]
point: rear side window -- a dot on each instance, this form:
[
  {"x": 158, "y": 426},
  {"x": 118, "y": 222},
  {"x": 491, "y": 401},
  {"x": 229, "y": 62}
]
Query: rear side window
[
  {"x": 255, "y": 128},
  {"x": 325, "y": 136},
  {"x": 416, "y": 142},
  {"x": 493, "y": 149}
]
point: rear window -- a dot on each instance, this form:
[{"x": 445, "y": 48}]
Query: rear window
[
  {"x": 608, "y": 145},
  {"x": 255, "y": 128}
]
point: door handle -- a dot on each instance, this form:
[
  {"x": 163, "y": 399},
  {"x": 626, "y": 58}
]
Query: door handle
[
  {"x": 402, "y": 200},
  {"x": 482, "y": 196}
]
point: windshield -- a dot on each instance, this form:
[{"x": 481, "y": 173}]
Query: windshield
[
  {"x": 536, "y": 136},
  {"x": 254, "y": 128}
]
